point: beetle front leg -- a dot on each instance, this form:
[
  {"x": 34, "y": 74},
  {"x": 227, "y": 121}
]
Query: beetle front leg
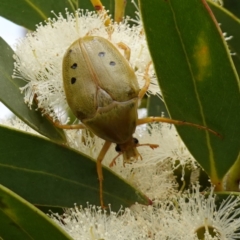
[
  {"x": 147, "y": 82},
  {"x": 175, "y": 122},
  {"x": 97, "y": 4},
  {"x": 113, "y": 162},
  {"x": 152, "y": 146},
  {"x": 119, "y": 10},
  {"x": 101, "y": 155}
]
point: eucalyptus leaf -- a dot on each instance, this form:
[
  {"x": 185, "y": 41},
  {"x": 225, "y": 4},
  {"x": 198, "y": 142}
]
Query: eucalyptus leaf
[
  {"x": 12, "y": 98},
  {"x": 156, "y": 107},
  {"x": 197, "y": 77},
  {"x": 230, "y": 25},
  {"x": 21, "y": 220},
  {"x": 233, "y": 6},
  {"x": 29, "y": 13},
  {"x": 48, "y": 174},
  {"x": 231, "y": 179}
]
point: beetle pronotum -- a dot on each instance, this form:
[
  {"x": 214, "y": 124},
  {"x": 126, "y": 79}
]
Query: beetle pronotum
[{"x": 102, "y": 91}]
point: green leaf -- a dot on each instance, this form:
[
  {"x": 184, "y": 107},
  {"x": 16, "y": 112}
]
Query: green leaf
[
  {"x": 156, "y": 107},
  {"x": 21, "y": 220},
  {"x": 11, "y": 96},
  {"x": 233, "y": 6},
  {"x": 28, "y": 13},
  {"x": 231, "y": 180},
  {"x": 197, "y": 79},
  {"x": 48, "y": 174},
  {"x": 230, "y": 24}
]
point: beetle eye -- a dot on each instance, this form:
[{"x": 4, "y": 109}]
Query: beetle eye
[
  {"x": 135, "y": 141},
  {"x": 117, "y": 148}
]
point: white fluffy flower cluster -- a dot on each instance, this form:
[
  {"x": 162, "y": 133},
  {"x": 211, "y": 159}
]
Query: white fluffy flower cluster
[{"x": 191, "y": 216}]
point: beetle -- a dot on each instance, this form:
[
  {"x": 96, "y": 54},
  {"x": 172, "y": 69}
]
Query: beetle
[{"x": 102, "y": 91}]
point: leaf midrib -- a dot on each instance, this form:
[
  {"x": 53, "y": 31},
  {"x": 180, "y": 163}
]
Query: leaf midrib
[{"x": 208, "y": 142}]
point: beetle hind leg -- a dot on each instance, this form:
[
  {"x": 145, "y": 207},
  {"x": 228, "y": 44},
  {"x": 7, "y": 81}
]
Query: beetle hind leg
[{"x": 101, "y": 155}]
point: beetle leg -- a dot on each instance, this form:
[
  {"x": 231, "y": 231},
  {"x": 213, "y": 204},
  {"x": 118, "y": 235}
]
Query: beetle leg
[
  {"x": 126, "y": 49},
  {"x": 66, "y": 126},
  {"x": 152, "y": 146},
  {"x": 99, "y": 169},
  {"x": 99, "y": 8},
  {"x": 119, "y": 10},
  {"x": 91, "y": 32},
  {"x": 175, "y": 122},
  {"x": 113, "y": 162},
  {"x": 147, "y": 82}
]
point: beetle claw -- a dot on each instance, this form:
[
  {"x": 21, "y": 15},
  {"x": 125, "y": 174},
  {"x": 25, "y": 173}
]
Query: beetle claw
[
  {"x": 113, "y": 162},
  {"x": 153, "y": 146}
]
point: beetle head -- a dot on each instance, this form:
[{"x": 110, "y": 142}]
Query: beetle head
[{"x": 129, "y": 151}]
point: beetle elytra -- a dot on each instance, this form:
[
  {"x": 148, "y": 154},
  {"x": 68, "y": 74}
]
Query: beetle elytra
[{"x": 102, "y": 91}]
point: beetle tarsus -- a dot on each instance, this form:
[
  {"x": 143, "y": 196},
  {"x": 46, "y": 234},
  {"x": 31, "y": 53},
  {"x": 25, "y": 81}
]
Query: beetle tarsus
[{"x": 113, "y": 162}]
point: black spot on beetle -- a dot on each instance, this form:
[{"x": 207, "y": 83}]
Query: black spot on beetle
[
  {"x": 112, "y": 63},
  {"x": 101, "y": 54},
  {"x": 74, "y": 66},
  {"x": 70, "y": 50},
  {"x": 73, "y": 80}
]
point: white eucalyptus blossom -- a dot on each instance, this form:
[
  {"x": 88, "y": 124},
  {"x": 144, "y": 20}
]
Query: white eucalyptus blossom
[
  {"x": 195, "y": 216},
  {"x": 191, "y": 216},
  {"x": 15, "y": 122},
  {"x": 93, "y": 223}
]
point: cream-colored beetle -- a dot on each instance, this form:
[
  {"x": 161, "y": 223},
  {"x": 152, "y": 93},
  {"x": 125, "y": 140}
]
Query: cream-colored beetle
[{"x": 102, "y": 91}]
